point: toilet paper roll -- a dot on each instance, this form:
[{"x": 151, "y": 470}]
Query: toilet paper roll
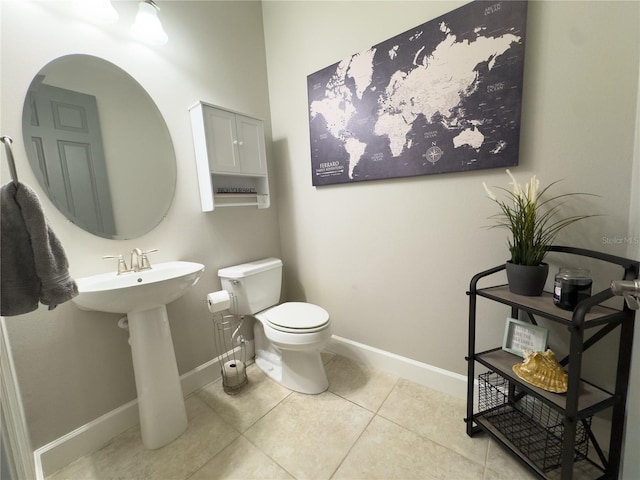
[
  {"x": 219, "y": 301},
  {"x": 234, "y": 373}
]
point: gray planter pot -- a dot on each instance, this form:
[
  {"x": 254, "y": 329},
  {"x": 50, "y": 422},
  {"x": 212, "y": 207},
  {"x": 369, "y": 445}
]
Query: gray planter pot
[{"x": 527, "y": 280}]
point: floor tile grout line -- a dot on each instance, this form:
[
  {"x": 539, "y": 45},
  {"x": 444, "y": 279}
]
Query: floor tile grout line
[
  {"x": 254, "y": 422},
  {"x": 373, "y": 416},
  {"x": 391, "y": 390},
  {"x": 353, "y": 444},
  {"x": 350, "y": 401},
  {"x": 224, "y": 420},
  {"x": 213, "y": 457},
  {"x": 353, "y": 402},
  {"x": 213, "y": 410},
  {"x": 267, "y": 412},
  {"x": 393, "y": 386},
  {"x": 241, "y": 433},
  {"x": 424, "y": 437},
  {"x": 373, "y": 413},
  {"x": 268, "y": 456}
]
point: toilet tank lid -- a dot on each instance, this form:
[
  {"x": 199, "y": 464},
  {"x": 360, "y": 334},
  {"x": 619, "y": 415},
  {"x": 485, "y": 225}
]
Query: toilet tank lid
[{"x": 250, "y": 268}]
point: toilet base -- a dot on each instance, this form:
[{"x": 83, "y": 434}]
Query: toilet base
[
  {"x": 302, "y": 372},
  {"x": 298, "y": 370}
]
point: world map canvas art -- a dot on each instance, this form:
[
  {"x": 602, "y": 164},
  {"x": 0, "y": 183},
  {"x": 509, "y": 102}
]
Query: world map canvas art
[{"x": 442, "y": 97}]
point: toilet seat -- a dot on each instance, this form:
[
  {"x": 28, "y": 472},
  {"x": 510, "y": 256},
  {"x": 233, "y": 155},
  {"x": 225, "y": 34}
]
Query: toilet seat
[{"x": 296, "y": 317}]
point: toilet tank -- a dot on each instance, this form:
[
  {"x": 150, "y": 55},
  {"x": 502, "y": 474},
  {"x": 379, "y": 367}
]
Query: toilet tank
[{"x": 255, "y": 285}]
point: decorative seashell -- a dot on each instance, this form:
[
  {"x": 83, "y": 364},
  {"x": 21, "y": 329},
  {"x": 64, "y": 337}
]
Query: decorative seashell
[{"x": 541, "y": 369}]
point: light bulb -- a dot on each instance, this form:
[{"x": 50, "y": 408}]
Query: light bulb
[{"x": 147, "y": 27}]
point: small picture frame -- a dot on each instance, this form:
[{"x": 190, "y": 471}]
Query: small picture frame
[{"x": 520, "y": 336}]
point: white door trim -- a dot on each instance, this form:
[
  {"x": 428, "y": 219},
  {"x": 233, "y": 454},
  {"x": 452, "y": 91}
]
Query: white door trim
[{"x": 14, "y": 425}]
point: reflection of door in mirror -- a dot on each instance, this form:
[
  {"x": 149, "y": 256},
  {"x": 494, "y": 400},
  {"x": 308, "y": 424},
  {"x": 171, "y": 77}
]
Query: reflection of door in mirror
[
  {"x": 131, "y": 178},
  {"x": 64, "y": 129}
]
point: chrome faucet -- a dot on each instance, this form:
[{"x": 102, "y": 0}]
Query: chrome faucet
[
  {"x": 135, "y": 266},
  {"x": 138, "y": 261}
]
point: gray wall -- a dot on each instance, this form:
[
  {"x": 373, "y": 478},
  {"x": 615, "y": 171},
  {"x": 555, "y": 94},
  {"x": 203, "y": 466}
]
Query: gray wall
[
  {"x": 391, "y": 260},
  {"x": 74, "y": 366}
]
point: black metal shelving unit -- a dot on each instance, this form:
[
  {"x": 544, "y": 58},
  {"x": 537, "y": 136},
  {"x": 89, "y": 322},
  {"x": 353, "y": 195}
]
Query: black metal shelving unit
[{"x": 549, "y": 432}]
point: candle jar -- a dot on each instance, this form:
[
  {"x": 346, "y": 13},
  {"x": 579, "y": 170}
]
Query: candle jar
[{"x": 571, "y": 286}]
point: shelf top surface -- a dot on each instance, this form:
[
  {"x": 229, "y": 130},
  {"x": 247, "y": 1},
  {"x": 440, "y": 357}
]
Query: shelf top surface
[
  {"x": 542, "y": 305},
  {"x": 503, "y": 362}
]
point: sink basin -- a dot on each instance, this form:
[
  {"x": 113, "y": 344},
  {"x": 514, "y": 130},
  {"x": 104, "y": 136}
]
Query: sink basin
[
  {"x": 137, "y": 291},
  {"x": 143, "y": 296}
]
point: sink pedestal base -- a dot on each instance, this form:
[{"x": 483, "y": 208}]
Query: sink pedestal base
[{"x": 163, "y": 416}]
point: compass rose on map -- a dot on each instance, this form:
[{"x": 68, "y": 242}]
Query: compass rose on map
[{"x": 433, "y": 154}]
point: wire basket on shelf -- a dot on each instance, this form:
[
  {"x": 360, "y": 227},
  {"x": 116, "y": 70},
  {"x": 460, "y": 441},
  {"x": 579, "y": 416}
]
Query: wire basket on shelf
[{"x": 532, "y": 426}]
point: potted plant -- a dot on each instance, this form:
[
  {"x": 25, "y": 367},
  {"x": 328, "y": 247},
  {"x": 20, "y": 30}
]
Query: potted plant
[{"x": 532, "y": 219}]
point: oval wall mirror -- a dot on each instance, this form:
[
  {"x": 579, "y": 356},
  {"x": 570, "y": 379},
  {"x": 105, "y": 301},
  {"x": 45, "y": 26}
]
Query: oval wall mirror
[{"x": 99, "y": 147}]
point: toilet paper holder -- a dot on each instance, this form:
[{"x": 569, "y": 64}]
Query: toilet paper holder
[
  {"x": 231, "y": 347},
  {"x": 220, "y": 301}
]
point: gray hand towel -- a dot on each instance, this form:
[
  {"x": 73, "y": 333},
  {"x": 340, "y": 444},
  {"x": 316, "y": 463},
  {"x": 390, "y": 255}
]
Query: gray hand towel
[{"x": 34, "y": 265}]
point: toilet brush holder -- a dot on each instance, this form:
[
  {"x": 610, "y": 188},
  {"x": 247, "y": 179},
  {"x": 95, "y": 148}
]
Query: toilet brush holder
[{"x": 232, "y": 348}]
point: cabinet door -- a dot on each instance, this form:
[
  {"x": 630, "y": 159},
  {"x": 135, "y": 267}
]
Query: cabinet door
[
  {"x": 251, "y": 145},
  {"x": 222, "y": 140}
]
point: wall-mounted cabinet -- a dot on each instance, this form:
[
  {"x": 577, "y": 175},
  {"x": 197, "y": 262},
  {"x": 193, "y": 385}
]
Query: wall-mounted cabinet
[{"x": 231, "y": 158}]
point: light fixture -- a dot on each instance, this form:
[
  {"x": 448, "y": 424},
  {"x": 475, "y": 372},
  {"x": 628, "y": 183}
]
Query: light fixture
[
  {"x": 100, "y": 11},
  {"x": 147, "y": 27}
]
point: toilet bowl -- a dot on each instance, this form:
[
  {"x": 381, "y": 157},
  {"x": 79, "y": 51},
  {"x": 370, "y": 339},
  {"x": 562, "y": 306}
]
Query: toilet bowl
[{"x": 289, "y": 337}]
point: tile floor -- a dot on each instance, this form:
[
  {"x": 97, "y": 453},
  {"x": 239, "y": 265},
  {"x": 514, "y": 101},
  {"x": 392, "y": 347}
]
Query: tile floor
[{"x": 368, "y": 425}]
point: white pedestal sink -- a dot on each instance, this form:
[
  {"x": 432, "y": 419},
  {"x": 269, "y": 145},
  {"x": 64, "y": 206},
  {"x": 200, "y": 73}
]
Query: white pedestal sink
[{"x": 143, "y": 296}]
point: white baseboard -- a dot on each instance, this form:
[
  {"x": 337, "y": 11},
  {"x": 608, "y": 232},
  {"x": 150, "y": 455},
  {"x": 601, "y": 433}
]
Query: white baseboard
[
  {"x": 95, "y": 434},
  {"x": 84, "y": 440},
  {"x": 429, "y": 376}
]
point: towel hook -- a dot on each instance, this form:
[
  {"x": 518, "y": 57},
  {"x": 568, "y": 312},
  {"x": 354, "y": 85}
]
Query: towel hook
[{"x": 12, "y": 164}]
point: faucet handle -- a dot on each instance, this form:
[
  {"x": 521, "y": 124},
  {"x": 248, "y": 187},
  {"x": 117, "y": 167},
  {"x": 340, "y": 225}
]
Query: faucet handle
[
  {"x": 144, "y": 260},
  {"x": 122, "y": 265}
]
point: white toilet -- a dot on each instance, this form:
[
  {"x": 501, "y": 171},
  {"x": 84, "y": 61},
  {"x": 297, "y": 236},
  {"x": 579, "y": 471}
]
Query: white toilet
[{"x": 288, "y": 337}]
